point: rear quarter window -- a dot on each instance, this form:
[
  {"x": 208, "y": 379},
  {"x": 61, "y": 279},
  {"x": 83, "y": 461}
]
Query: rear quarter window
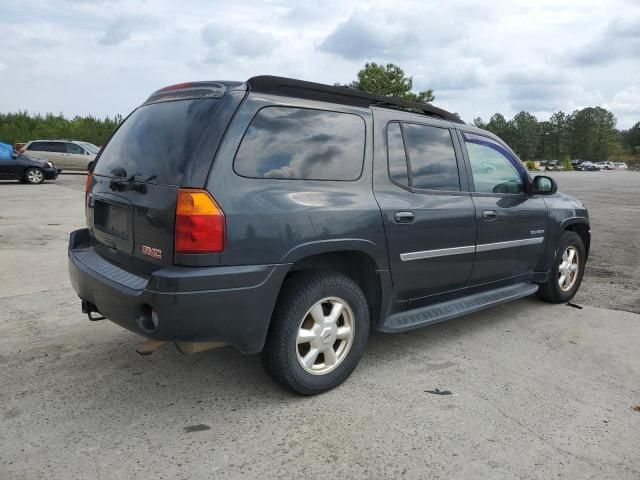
[{"x": 303, "y": 144}]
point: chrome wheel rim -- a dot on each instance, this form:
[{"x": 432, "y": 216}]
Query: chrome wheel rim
[
  {"x": 34, "y": 176},
  {"x": 568, "y": 268},
  {"x": 325, "y": 336}
]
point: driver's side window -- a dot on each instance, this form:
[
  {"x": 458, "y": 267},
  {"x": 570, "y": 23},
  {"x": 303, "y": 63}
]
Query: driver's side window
[{"x": 492, "y": 167}]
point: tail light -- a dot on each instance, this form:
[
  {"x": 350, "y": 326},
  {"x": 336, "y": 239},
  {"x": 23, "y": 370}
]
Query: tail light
[
  {"x": 199, "y": 223},
  {"x": 87, "y": 184}
]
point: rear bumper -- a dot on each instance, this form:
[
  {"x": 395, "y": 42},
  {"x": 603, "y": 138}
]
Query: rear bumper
[{"x": 198, "y": 304}]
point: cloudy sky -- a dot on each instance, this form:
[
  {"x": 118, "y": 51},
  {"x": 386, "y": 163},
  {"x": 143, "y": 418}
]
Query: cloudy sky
[{"x": 105, "y": 56}]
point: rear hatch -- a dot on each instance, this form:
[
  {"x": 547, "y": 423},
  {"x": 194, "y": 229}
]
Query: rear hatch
[{"x": 167, "y": 143}]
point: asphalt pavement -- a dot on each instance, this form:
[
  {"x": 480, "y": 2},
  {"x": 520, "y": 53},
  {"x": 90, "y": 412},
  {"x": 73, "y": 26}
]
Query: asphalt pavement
[{"x": 524, "y": 390}]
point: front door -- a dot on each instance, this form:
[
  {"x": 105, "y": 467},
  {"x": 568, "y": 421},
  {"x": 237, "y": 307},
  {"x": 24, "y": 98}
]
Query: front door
[
  {"x": 428, "y": 216},
  {"x": 511, "y": 224}
]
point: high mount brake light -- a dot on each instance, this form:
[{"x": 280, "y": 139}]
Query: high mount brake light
[{"x": 200, "y": 224}]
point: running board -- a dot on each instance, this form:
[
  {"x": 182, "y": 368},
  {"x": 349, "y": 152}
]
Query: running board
[{"x": 440, "y": 312}]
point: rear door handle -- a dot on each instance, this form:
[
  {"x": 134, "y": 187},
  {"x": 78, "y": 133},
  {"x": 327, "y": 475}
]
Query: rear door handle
[
  {"x": 489, "y": 214},
  {"x": 404, "y": 217}
]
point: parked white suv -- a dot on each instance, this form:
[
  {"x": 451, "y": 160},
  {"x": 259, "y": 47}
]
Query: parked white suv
[
  {"x": 605, "y": 165},
  {"x": 65, "y": 154}
]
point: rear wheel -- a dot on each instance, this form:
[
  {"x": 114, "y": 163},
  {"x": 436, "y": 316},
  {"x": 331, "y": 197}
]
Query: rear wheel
[
  {"x": 34, "y": 176},
  {"x": 318, "y": 332},
  {"x": 568, "y": 269}
]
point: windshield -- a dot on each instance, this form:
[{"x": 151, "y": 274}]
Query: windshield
[
  {"x": 157, "y": 139},
  {"x": 90, "y": 147}
]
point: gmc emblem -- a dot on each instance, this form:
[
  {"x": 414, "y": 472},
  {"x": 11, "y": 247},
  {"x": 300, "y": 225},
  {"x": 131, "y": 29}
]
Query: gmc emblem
[{"x": 152, "y": 252}]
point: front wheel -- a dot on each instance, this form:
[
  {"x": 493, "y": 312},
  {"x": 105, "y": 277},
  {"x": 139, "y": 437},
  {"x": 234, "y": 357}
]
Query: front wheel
[
  {"x": 34, "y": 176},
  {"x": 568, "y": 269},
  {"x": 318, "y": 332}
]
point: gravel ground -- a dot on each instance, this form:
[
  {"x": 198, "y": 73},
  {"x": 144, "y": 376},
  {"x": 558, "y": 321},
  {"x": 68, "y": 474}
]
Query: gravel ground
[
  {"x": 537, "y": 390},
  {"x": 612, "y": 276}
]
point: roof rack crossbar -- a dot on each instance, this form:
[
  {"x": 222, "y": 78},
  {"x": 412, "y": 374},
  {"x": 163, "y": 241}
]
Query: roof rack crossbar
[{"x": 343, "y": 95}]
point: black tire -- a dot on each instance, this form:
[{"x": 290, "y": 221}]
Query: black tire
[
  {"x": 33, "y": 176},
  {"x": 299, "y": 294},
  {"x": 551, "y": 291}
]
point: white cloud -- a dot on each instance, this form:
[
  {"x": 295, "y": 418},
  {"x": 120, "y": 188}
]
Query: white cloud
[{"x": 106, "y": 56}]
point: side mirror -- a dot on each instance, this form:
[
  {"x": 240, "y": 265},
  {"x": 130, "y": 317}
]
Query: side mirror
[{"x": 542, "y": 185}]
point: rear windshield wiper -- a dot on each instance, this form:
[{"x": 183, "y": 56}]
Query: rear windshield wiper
[{"x": 131, "y": 182}]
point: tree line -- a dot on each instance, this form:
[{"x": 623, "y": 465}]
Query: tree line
[
  {"x": 586, "y": 134},
  {"x": 22, "y": 127}
]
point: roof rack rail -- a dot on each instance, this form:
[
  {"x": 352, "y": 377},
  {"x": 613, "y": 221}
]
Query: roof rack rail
[{"x": 347, "y": 96}]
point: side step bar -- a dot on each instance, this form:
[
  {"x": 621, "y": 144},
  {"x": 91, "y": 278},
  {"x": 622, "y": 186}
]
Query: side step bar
[{"x": 440, "y": 312}]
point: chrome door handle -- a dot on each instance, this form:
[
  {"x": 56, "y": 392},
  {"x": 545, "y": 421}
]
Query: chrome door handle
[
  {"x": 404, "y": 217},
  {"x": 489, "y": 214}
]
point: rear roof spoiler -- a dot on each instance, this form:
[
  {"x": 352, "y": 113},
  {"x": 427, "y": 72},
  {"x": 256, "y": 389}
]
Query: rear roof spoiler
[
  {"x": 189, "y": 90},
  {"x": 290, "y": 87}
]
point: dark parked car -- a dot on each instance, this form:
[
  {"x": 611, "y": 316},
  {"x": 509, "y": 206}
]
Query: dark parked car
[
  {"x": 27, "y": 169},
  {"x": 291, "y": 218}
]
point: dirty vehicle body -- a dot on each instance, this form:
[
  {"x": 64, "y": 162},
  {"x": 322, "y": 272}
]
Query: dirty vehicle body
[{"x": 290, "y": 218}]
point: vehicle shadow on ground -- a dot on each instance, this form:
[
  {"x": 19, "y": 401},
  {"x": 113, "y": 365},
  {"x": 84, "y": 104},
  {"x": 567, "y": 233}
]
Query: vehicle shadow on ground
[{"x": 226, "y": 374}]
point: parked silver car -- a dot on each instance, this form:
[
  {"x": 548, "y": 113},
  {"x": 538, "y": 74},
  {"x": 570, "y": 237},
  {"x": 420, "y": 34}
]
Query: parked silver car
[{"x": 65, "y": 154}]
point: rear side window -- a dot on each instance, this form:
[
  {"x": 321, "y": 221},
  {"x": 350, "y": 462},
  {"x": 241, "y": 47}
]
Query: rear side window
[
  {"x": 158, "y": 139},
  {"x": 427, "y": 160},
  {"x": 432, "y": 157},
  {"x": 47, "y": 147},
  {"x": 303, "y": 144}
]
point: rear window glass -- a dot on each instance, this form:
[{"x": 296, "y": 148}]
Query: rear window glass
[
  {"x": 432, "y": 157},
  {"x": 299, "y": 143},
  {"x": 158, "y": 139}
]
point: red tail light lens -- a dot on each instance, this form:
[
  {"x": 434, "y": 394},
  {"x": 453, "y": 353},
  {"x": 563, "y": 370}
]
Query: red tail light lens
[
  {"x": 87, "y": 184},
  {"x": 199, "y": 223}
]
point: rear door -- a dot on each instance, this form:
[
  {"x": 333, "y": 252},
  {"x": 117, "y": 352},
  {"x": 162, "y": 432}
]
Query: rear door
[
  {"x": 429, "y": 218},
  {"x": 132, "y": 199},
  {"x": 511, "y": 224},
  {"x": 57, "y": 153},
  {"x": 44, "y": 149}
]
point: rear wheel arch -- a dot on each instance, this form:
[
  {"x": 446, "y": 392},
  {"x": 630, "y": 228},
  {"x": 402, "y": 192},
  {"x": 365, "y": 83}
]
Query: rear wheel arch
[{"x": 355, "y": 264}]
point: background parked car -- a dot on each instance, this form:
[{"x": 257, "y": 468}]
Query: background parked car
[
  {"x": 621, "y": 165},
  {"x": 14, "y": 166},
  {"x": 605, "y": 165},
  {"x": 554, "y": 165},
  {"x": 65, "y": 154},
  {"x": 589, "y": 167}
]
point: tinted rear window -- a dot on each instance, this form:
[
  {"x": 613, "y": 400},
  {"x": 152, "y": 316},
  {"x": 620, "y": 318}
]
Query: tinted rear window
[
  {"x": 299, "y": 143},
  {"x": 432, "y": 157},
  {"x": 47, "y": 147},
  {"x": 158, "y": 139}
]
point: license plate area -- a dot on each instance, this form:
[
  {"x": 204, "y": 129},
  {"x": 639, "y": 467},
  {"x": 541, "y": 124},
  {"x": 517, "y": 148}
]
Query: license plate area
[{"x": 112, "y": 219}]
